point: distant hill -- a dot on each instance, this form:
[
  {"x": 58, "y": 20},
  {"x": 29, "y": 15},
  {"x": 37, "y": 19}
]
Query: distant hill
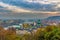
[{"x": 53, "y": 18}]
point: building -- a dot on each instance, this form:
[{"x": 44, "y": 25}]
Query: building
[{"x": 15, "y": 26}]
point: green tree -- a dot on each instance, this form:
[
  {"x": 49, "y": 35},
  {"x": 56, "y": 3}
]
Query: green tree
[{"x": 53, "y": 35}]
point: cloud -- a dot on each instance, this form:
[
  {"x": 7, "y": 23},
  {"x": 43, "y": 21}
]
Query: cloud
[
  {"x": 13, "y": 8},
  {"x": 31, "y": 8},
  {"x": 28, "y": 4},
  {"x": 31, "y": 5},
  {"x": 43, "y": 1},
  {"x": 47, "y": 5},
  {"x": 38, "y": 1}
]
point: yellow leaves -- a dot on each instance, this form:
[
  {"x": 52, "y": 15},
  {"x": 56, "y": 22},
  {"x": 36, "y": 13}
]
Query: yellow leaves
[
  {"x": 25, "y": 25},
  {"x": 43, "y": 33}
]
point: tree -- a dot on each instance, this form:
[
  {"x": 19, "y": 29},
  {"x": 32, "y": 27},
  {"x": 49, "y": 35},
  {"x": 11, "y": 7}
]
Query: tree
[
  {"x": 40, "y": 34},
  {"x": 53, "y": 35}
]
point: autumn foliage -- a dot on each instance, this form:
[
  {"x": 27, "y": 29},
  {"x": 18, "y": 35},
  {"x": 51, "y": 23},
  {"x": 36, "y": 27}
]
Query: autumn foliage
[{"x": 44, "y": 33}]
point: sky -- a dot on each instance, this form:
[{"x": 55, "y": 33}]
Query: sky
[{"x": 29, "y": 8}]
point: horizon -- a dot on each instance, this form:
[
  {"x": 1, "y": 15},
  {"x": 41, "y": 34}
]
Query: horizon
[{"x": 27, "y": 15}]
